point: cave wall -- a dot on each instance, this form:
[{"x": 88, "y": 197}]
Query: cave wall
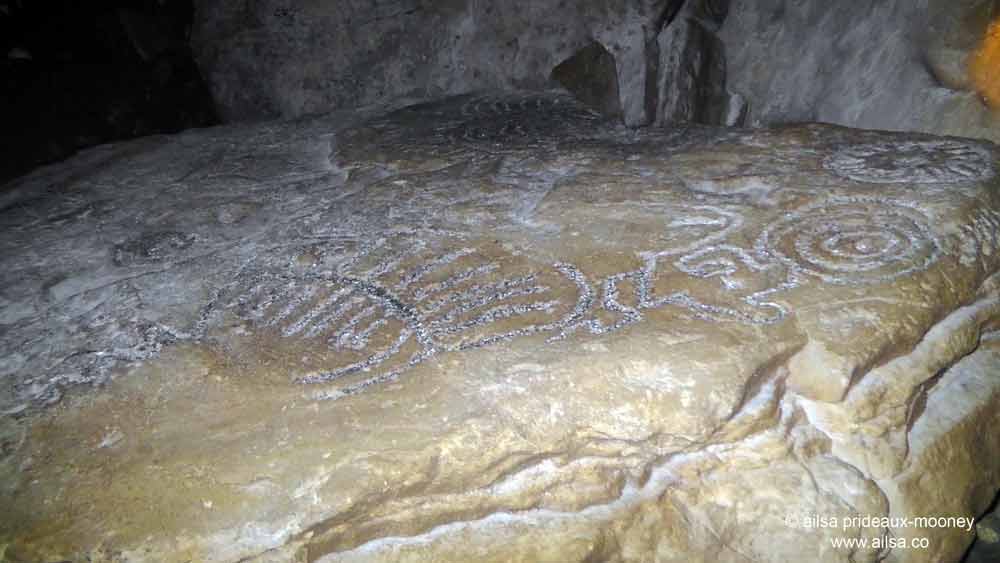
[
  {"x": 282, "y": 58},
  {"x": 78, "y": 74},
  {"x": 879, "y": 64}
]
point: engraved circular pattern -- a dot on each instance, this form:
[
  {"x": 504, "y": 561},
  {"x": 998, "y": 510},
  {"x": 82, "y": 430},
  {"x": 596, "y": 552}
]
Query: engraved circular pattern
[
  {"x": 913, "y": 162},
  {"x": 486, "y": 125},
  {"x": 853, "y": 241}
]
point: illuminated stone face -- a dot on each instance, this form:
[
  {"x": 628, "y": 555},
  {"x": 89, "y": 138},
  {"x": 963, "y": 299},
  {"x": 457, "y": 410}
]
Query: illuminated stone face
[
  {"x": 498, "y": 328},
  {"x": 984, "y": 66}
]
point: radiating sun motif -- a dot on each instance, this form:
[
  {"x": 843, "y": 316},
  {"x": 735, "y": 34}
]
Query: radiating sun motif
[{"x": 984, "y": 66}]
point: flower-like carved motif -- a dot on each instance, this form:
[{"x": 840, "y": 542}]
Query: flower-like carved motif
[{"x": 939, "y": 161}]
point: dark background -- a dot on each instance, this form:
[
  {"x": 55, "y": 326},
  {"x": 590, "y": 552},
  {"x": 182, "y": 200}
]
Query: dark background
[{"x": 80, "y": 73}]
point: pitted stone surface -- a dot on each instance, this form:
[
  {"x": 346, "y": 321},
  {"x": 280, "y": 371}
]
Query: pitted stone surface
[{"x": 421, "y": 335}]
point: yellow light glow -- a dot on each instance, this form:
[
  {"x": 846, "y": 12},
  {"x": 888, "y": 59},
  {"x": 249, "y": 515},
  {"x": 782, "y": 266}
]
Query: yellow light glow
[{"x": 984, "y": 66}]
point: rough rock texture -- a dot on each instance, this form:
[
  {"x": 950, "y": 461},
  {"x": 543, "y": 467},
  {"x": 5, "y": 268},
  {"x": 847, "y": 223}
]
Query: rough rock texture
[
  {"x": 691, "y": 77},
  {"x": 692, "y": 82},
  {"x": 500, "y": 329},
  {"x": 276, "y": 57},
  {"x": 987, "y": 545},
  {"x": 878, "y": 64},
  {"x": 591, "y": 77}
]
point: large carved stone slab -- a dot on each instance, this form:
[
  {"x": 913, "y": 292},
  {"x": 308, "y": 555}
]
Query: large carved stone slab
[{"x": 495, "y": 328}]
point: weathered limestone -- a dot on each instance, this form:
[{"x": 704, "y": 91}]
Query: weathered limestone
[
  {"x": 271, "y": 58},
  {"x": 885, "y": 64},
  {"x": 691, "y": 77},
  {"x": 629, "y": 59},
  {"x": 692, "y": 80},
  {"x": 500, "y": 329}
]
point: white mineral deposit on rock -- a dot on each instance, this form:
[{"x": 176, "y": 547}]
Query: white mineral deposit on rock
[{"x": 500, "y": 327}]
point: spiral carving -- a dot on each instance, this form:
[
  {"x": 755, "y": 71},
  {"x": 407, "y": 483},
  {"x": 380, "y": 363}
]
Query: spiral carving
[{"x": 852, "y": 241}]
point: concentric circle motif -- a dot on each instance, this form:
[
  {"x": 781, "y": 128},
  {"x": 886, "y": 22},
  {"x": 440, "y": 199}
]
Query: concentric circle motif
[
  {"x": 479, "y": 124},
  {"x": 922, "y": 162},
  {"x": 852, "y": 240}
]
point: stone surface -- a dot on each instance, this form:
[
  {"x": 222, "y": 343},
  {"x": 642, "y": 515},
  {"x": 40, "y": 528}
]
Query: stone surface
[
  {"x": 692, "y": 80},
  {"x": 275, "y": 58},
  {"x": 987, "y": 545},
  {"x": 950, "y": 67},
  {"x": 875, "y": 64},
  {"x": 500, "y": 329}
]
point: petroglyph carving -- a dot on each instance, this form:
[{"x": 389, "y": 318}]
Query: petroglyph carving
[
  {"x": 384, "y": 306},
  {"x": 499, "y": 125},
  {"x": 638, "y": 228},
  {"x": 391, "y": 305},
  {"x": 939, "y": 161},
  {"x": 151, "y": 248},
  {"x": 745, "y": 280},
  {"x": 690, "y": 227},
  {"x": 852, "y": 240},
  {"x": 375, "y": 301},
  {"x": 483, "y": 125},
  {"x": 980, "y": 237}
]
